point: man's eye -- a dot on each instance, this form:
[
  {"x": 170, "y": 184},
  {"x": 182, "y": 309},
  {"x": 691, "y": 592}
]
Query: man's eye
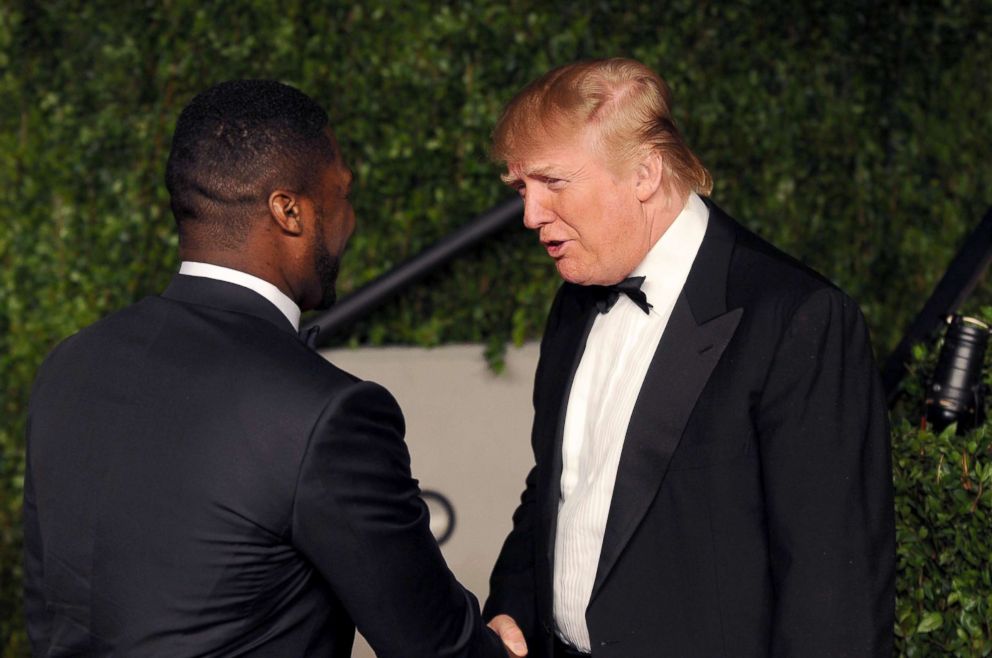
[{"x": 555, "y": 183}]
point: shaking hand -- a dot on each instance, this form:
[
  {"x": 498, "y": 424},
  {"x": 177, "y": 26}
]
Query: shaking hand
[{"x": 510, "y": 633}]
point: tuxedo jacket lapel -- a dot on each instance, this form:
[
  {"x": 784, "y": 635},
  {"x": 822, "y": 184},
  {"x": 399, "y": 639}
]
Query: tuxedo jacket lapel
[
  {"x": 681, "y": 367},
  {"x": 699, "y": 330}
]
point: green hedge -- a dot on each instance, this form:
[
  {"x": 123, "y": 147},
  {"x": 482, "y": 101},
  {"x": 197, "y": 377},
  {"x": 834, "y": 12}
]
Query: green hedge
[
  {"x": 943, "y": 522},
  {"x": 943, "y": 526},
  {"x": 854, "y": 135}
]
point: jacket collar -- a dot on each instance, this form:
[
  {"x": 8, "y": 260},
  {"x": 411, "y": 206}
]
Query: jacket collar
[
  {"x": 706, "y": 287},
  {"x": 226, "y": 297}
]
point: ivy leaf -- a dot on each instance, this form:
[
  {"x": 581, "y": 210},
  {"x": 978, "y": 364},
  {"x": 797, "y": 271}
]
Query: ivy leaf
[{"x": 931, "y": 621}]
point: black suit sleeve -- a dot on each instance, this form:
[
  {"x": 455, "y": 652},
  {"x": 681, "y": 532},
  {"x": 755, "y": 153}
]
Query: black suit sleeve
[
  {"x": 824, "y": 446},
  {"x": 359, "y": 518},
  {"x": 513, "y": 585},
  {"x": 512, "y": 589}
]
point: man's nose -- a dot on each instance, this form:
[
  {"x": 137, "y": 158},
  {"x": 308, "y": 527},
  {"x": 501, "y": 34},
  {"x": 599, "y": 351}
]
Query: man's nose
[{"x": 536, "y": 212}]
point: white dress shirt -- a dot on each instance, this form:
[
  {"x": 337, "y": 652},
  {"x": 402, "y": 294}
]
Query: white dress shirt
[
  {"x": 618, "y": 351},
  {"x": 277, "y": 297}
]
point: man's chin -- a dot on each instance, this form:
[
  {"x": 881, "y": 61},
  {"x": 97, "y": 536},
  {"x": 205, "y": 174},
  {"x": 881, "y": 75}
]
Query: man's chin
[
  {"x": 563, "y": 270},
  {"x": 587, "y": 276},
  {"x": 569, "y": 273}
]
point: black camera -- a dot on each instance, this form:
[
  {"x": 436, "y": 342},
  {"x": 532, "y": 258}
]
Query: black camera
[{"x": 956, "y": 392}]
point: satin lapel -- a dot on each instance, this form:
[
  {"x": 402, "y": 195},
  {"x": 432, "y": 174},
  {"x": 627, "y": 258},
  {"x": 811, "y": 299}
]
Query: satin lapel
[
  {"x": 561, "y": 360},
  {"x": 681, "y": 366},
  {"x": 698, "y": 331}
]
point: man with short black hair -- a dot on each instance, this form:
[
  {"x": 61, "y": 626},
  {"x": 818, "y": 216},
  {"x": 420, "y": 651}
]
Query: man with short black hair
[
  {"x": 712, "y": 469},
  {"x": 199, "y": 481}
]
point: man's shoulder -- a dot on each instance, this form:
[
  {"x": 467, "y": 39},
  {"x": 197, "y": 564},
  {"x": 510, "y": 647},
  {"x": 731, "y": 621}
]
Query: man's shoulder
[
  {"x": 156, "y": 332},
  {"x": 760, "y": 273},
  {"x": 86, "y": 342}
]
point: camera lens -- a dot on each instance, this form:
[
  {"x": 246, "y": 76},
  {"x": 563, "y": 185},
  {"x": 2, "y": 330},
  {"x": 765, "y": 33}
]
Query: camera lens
[{"x": 955, "y": 392}]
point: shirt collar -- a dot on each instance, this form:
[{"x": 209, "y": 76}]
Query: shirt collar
[
  {"x": 668, "y": 262},
  {"x": 277, "y": 297}
]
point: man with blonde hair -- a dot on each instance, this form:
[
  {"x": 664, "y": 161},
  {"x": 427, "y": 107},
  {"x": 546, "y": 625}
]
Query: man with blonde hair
[{"x": 712, "y": 470}]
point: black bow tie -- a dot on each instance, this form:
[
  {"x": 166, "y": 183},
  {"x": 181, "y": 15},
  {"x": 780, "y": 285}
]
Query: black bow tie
[
  {"x": 309, "y": 336},
  {"x": 631, "y": 287}
]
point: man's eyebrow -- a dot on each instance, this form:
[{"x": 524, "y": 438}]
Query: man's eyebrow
[{"x": 543, "y": 171}]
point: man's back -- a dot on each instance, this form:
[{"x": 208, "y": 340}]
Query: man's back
[
  {"x": 171, "y": 435},
  {"x": 200, "y": 482}
]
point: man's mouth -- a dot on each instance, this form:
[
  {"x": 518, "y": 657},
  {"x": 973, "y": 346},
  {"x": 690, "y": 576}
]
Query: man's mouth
[{"x": 555, "y": 247}]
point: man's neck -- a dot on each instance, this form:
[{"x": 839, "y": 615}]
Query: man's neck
[{"x": 665, "y": 214}]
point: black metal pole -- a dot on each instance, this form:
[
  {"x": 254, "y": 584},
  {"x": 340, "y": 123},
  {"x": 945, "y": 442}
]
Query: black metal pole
[
  {"x": 357, "y": 305},
  {"x": 959, "y": 280}
]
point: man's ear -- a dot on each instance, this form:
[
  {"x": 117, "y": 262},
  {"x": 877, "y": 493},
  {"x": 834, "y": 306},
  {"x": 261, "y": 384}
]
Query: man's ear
[
  {"x": 649, "y": 174},
  {"x": 286, "y": 211}
]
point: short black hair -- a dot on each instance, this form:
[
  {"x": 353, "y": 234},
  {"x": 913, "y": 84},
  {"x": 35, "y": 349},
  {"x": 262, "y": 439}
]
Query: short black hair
[{"x": 236, "y": 142}]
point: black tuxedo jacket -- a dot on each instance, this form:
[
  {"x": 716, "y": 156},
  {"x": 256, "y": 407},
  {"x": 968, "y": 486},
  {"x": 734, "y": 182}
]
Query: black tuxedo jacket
[
  {"x": 199, "y": 483},
  {"x": 752, "y": 513}
]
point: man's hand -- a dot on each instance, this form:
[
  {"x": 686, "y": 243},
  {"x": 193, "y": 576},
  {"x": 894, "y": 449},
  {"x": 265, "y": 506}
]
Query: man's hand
[{"x": 510, "y": 633}]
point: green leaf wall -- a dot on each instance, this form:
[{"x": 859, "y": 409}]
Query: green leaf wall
[{"x": 855, "y": 135}]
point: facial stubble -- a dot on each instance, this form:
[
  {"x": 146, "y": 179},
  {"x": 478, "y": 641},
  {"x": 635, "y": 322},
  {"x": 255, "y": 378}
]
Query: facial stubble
[{"x": 325, "y": 265}]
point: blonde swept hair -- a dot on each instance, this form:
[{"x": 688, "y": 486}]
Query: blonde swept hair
[{"x": 628, "y": 103}]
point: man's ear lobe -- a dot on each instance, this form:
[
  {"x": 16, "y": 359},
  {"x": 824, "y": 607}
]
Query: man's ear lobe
[
  {"x": 285, "y": 209},
  {"x": 649, "y": 175}
]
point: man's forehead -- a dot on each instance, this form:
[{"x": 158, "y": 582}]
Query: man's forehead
[
  {"x": 533, "y": 167},
  {"x": 543, "y": 159},
  {"x": 555, "y": 153},
  {"x": 559, "y": 162}
]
